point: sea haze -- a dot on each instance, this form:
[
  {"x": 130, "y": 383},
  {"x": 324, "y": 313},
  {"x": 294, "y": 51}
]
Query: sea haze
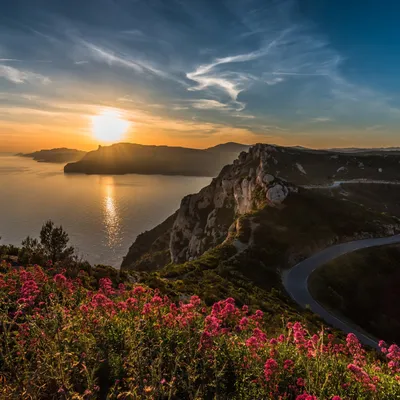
[{"x": 102, "y": 214}]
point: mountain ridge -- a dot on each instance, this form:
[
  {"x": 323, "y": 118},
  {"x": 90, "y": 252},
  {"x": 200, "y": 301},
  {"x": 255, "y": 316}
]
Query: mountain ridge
[{"x": 123, "y": 158}]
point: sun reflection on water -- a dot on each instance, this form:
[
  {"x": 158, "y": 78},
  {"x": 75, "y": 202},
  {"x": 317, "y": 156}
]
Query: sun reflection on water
[{"x": 112, "y": 219}]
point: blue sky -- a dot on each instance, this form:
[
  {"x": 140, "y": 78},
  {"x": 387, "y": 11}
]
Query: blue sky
[{"x": 190, "y": 72}]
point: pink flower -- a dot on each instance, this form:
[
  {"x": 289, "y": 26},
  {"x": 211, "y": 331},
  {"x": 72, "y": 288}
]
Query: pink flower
[
  {"x": 131, "y": 302},
  {"x": 306, "y": 396},
  {"x": 138, "y": 290},
  {"x": 269, "y": 368},
  {"x": 288, "y": 364},
  {"x": 195, "y": 300},
  {"x": 121, "y": 288},
  {"x": 243, "y": 323},
  {"x": 300, "y": 382},
  {"x": 355, "y": 349},
  {"x": 156, "y": 299},
  {"x": 60, "y": 279},
  {"x": 257, "y": 340},
  {"x": 106, "y": 286}
]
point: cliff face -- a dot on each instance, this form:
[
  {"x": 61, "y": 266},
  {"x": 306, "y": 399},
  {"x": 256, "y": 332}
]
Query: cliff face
[
  {"x": 268, "y": 184},
  {"x": 204, "y": 219}
]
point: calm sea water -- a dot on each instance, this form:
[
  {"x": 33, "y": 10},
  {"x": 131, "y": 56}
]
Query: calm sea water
[{"x": 102, "y": 214}]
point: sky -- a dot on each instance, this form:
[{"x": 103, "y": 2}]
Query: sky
[{"x": 317, "y": 73}]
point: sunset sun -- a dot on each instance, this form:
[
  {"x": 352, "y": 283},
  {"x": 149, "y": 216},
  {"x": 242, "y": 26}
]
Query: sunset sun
[{"x": 109, "y": 126}]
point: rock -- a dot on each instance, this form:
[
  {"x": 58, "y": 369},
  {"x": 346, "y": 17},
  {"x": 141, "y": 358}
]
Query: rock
[
  {"x": 204, "y": 219},
  {"x": 277, "y": 194},
  {"x": 301, "y": 169}
]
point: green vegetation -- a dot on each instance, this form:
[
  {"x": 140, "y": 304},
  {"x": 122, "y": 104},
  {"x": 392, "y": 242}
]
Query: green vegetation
[
  {"x": 363, "y": 286},
  {"x": 59, "y": 340},
  {"x": 54, "y": 251}
]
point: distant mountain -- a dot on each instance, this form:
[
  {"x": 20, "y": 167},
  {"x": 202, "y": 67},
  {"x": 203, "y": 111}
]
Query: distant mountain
[
  {"x": 124, "y": 158},
  {"x": 60, "y": 155},
  {"x": 229, "y": 147}
]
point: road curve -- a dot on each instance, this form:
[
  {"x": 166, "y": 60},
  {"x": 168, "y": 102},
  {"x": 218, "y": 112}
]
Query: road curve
[{"x": 295, "y": 281}]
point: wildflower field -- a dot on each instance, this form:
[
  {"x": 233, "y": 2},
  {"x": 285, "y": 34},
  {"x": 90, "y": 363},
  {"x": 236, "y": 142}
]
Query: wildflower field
[{"x": 61, "y": 340}]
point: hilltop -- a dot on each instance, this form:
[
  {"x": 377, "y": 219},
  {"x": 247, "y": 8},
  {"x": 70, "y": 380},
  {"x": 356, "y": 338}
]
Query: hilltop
[
  {"x": 124, "y": 158},
  {"x": 58, "y": 155}
]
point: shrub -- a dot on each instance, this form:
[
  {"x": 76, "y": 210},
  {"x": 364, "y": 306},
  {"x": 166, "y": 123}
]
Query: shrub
[{"x": 60, "y": 340}]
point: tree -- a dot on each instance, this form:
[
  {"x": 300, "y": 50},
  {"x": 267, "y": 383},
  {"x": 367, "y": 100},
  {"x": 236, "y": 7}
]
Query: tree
[
  {"x": 31, "y": 252},
  {"x": 54, "y": 241}
]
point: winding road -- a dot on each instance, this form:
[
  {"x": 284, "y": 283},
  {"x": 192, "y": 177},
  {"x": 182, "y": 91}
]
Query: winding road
[{"x": 295, "y": 281}]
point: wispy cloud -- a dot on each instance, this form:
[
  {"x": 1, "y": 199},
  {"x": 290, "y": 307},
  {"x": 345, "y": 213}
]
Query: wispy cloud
[
  {"x": 232, "y": 82},
  {"x": 119, "y": 57},
  {"x": 206, "y": 104},
  {"x": 321, "y": 119},
  {"x": 375, "y": 128},
  {"x": 22, "y": 76}
]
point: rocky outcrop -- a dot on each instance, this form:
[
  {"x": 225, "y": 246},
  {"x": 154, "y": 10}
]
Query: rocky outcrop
[
  {"x": 150, "y": 249},
  {"x": 204, "y": 219},
  {"x": 259, "y": 178}
]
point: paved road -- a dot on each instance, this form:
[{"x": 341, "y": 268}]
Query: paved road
[
  {"x": 336, "y": 184},
  {"x": 295, "y": 281}
]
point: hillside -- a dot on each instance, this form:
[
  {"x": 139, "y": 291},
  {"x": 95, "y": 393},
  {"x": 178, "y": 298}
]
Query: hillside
[
  {"x": 235, "y": 236},
  {"x": 59, "y": 155},
  {"x": 253, "y": 188},
  {"x": 63, "y": 340},
  {"x": 159, "y": 328},
  {"x": 363, "y": 287},
  {"x": 123, "y": 158}
]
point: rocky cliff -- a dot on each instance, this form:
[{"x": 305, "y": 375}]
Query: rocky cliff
[
  {"x": 204, "y": 219},
  {"x": 265, "y": 177}
]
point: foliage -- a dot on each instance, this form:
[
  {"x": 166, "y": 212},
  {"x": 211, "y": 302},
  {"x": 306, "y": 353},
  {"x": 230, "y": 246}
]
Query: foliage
[
  {"x": 59, "y": 340},
  {"x": 55, "y": 242}
]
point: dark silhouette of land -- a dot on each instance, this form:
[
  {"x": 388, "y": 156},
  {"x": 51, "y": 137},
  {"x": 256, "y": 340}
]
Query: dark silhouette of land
[
  {"x": 124, "y": 158},
  {"x": 59, "y": 155}
]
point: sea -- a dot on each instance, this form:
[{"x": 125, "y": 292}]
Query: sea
[{"x": 103, "y": 214}]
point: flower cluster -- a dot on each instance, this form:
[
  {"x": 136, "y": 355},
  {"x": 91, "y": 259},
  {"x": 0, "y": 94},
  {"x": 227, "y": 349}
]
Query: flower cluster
[{"x": 62, "y": 340}]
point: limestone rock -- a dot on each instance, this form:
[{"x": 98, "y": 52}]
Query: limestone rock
[
  {"x": 277, "y": 194},
  {"x": 204, "y": 219}
]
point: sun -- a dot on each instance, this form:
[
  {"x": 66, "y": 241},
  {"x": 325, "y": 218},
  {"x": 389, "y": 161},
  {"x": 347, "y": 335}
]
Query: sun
[{"x": 109, "y": 126}]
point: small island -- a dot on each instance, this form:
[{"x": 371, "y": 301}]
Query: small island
[{"x": 59, "y": 155}]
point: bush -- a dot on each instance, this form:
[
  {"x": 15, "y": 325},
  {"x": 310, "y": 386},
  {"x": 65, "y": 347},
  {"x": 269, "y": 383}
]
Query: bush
[{"x": 59, "y": 340}]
